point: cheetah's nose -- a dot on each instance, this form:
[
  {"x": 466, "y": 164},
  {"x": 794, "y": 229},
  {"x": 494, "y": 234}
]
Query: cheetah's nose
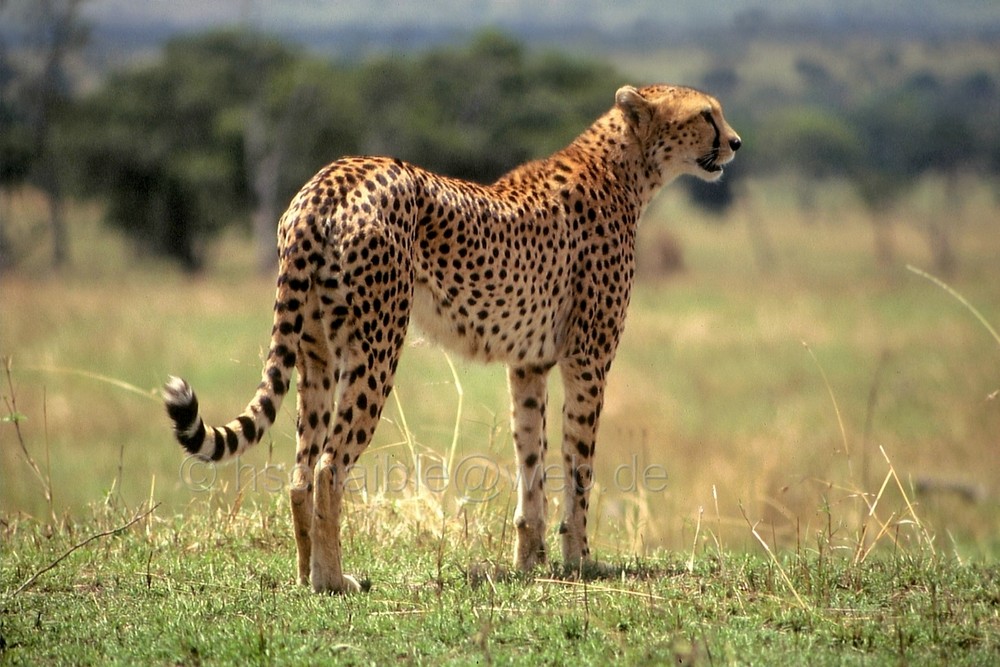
[{"x": 735, "y": 143}]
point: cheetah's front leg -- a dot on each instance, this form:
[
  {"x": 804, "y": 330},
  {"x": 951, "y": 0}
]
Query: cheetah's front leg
[
  {"x": 584, "y": 395},
  {"x": 527, "y": 391}
]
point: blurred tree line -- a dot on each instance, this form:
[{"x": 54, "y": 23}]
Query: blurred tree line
[
  {"x": 883, "y": 127},
  {"x": 225, "y": 127},
  {"x": 222, "y": 128}
]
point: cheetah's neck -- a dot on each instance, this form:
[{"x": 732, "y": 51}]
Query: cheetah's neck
[{"x": 608, "y": 147}]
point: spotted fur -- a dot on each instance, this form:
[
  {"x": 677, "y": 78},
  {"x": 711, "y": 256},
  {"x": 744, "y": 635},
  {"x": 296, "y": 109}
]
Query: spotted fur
[{"x": 534, "y": 271}]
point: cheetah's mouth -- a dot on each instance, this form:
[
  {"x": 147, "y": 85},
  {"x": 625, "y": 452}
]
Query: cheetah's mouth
[{"x": 710, "y": 161}]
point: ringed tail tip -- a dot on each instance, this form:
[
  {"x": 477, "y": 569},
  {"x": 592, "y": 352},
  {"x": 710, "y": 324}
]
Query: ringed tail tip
[{"x": 182, "y": 408}]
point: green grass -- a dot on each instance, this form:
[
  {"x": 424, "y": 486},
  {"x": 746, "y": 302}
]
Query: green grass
[
  {"x": 215, "y": 588},
  {"x": 875, "y": 544}
]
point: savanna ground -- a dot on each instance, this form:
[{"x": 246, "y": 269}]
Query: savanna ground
[{"x": 797, "y": 459}]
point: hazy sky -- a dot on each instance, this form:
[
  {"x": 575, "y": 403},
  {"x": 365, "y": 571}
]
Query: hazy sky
[{"x": 470, "y": 13}]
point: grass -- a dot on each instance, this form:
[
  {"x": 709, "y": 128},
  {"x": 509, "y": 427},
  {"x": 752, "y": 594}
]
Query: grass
[
  {"x": 827, "y": 500},
  {"x": 216, "y": 587}
]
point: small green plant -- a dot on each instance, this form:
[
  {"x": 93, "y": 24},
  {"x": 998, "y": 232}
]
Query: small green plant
[{"x": 14, "y": 417}]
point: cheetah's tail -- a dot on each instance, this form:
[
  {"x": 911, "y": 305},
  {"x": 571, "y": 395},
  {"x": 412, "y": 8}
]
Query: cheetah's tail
[{"x": 215, "y": 443}]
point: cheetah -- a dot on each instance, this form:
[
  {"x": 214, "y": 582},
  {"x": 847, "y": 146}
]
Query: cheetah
[{"x": 534, "y": 271}]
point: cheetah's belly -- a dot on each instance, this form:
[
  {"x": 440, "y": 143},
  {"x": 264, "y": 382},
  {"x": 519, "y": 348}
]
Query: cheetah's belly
[{"x": 495, "y": 331}]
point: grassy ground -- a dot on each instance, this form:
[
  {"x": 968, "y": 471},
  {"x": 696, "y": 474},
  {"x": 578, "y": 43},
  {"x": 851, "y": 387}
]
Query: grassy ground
[
  {"x": 836, "y": 499},
  {"x": 213, "y": 588}
]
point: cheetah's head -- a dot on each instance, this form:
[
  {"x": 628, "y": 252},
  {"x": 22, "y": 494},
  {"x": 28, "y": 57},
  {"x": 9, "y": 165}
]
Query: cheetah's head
[{"x": 679, "y": 129}]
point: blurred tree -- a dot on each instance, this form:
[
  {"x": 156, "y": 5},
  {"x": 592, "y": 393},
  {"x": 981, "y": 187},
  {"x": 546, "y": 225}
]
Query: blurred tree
[
  {"x": 15, "y": 148},
  {"x": 203, "y": 138},
  {"x": 306, "y": 116},
  {"x": 814, "y": 142},
  {"x": 888, "y": 126},
  {"x": 814, "y": 73},
  {"x": 908, "y": 132},
  {"x": 952, "y": 152},
  {"x": 817, "y": 141},
  {"x": 228, "y": 125},
  {"x": 155, "y": 140},
  {"x": 34, "y": 96},
  {"x": 722, "y": 80},
  {"x": 15, "y": 133},
  {"x": 477, "y": 111}
]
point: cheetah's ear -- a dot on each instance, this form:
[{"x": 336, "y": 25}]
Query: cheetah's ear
[{"x": 634, "y": 106}]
